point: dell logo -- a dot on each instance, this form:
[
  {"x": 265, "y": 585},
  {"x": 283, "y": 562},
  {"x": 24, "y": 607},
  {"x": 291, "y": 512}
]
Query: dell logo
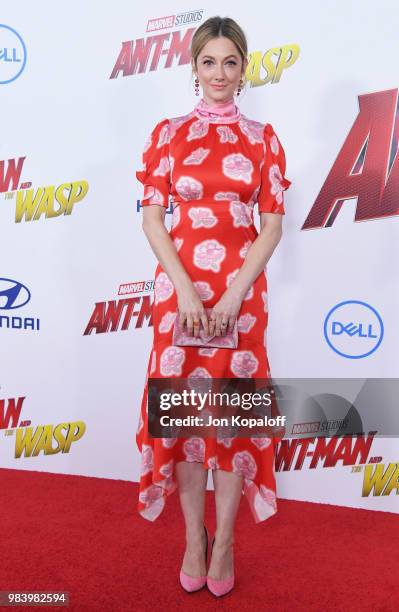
[{"x": 353, "y": 329}]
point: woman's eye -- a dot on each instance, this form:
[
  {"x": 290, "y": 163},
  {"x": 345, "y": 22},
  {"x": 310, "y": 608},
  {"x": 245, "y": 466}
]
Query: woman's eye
[{"x": 229, "y": 62}]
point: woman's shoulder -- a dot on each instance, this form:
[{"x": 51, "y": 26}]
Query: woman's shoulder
[
  {"x": 159, "y": 129},
  {"x": 170, "y": 125},
  {"x": 255, "y": 131},
  {"x": 265, "y": 127},
  {"x": 175, "y": 123}
]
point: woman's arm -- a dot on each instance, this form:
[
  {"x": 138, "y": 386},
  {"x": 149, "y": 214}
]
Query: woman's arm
[
  {"x": 190, "y": 306},
  {"x": 227, "y": 309},
  {"x": 259, "y": 253},
  {"x": 163, "y": 247}
]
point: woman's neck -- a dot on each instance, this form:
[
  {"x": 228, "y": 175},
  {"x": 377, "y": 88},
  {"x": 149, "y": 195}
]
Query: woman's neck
[
  {"x": 211, "y": 102},
  {"x": 225, "y": 111}
]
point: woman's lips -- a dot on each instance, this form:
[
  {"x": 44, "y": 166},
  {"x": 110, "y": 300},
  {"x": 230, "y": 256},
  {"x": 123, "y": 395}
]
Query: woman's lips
[{"x": 218, "y": 86}]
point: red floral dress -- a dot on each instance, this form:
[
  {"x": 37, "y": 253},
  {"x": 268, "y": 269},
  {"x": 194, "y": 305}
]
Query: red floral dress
[{"x": 215, "y": 169}]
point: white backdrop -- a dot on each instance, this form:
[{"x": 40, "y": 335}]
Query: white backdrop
[{"x": 73, "y": 123}]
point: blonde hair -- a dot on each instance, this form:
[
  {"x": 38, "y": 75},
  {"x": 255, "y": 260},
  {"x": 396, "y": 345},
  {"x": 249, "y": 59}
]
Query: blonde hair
[{"x": 215, "y": 27}]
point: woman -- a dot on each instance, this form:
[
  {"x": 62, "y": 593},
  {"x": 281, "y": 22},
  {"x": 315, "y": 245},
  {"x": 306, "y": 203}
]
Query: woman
[{"x": 216, "y": 164}]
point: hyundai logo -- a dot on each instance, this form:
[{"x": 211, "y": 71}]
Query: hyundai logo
[
  {"x": 13, "y": 294},
  {"x": 353, "y": 329}
]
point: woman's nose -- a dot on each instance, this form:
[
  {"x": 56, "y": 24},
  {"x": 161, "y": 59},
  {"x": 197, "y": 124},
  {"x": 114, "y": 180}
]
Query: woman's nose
[{"x": 220, "y": 72}]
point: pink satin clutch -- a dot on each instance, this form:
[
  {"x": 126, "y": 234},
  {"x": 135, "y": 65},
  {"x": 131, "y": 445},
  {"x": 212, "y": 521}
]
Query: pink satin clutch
[{"x": 181, "y": 338}]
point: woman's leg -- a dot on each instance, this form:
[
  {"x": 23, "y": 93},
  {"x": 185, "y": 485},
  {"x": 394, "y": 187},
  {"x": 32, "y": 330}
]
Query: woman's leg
[
  {"x": 228, "y": 488},
  {"x": 192, "y": 479}
]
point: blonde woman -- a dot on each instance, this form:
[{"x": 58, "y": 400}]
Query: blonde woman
[{"x": 216, "y": 164}]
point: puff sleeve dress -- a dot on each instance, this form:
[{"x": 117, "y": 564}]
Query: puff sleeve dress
[{"x": 213, "y": 170}]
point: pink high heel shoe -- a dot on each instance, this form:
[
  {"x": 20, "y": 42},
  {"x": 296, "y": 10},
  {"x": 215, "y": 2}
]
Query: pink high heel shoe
[
  {"x": 219, "y": 587},
  {"x": 194, "y": 583}
]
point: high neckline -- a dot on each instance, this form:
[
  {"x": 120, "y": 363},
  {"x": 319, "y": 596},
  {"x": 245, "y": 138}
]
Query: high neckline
[{"x": 224, "y": 112}]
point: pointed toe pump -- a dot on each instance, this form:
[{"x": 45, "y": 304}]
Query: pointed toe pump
[
  {"x": 194, "y": 583},
  {"x": 219, "y": 587}
]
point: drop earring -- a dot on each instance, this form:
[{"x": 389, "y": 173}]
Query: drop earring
[
  {"x": 239, "y": 87},
  {"x": 196, "y": 86}
]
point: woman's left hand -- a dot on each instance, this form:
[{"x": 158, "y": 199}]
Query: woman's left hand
[{"x": 224, "y": 313}]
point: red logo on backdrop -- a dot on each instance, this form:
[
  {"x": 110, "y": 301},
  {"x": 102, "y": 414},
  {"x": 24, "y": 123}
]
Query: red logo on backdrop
[
  {"x": 352, "y": 450},
  {"x": 10, "y": 176},
  {"x": 134, "y": 57},
  {"x": 115, "y": 315},
  {"x": 367, "y": 166}
]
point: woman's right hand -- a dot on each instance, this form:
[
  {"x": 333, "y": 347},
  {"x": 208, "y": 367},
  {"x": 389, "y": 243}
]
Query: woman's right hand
[{"x": 191, "y": 311}]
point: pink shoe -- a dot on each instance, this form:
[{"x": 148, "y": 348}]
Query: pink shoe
[
  {"x": 194, "y": 583},
  {"x": 219, "y": 587}
]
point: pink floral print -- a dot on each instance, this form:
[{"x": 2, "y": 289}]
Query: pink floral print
[
  {"x": 244, "y": 464},
  {"x": 244, "y": 364},
  {"x": 202, "y": 217},
  {"x": 189, "y": 188},
  {"x": 196, "y": 157},
  {"x": 194, "y": 449},
  {"x": 238, "y": 167},
  {"x": 172, "y": 360},
  {"x": 163, "y": 288},
  {"x": 209, "y": 254}
]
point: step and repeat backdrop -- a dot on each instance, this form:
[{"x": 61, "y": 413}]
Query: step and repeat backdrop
[{"x": 82, "y": 85}]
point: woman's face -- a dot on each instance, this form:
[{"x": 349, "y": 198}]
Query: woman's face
[{"x": 219, "y": 63}]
